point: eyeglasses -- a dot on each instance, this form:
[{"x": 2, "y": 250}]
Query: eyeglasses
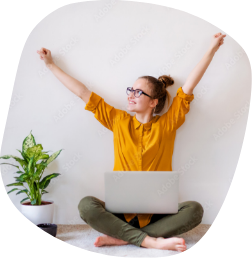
[{"x": 137, "y": 92}]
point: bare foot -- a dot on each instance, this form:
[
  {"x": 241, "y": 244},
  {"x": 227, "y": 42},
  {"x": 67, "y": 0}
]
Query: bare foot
[
  {"x": 108, "y": 240},
  {"x": 172, "y": 243}
]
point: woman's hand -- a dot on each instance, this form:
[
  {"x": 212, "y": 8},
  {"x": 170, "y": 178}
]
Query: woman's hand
[
  {"x": 217, "y": 41},
  {"x": 45, "y": 54}
]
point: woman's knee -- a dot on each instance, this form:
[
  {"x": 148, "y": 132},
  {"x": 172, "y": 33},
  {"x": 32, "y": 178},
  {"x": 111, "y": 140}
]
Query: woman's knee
[
  {"x": 85, "y": 206},
  {"x": 197, "y": 210}
]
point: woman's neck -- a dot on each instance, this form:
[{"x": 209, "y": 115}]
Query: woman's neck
[{"x": 143, "y": 119}]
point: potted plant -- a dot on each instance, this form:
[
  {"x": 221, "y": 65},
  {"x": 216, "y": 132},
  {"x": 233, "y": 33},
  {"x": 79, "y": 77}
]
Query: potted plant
[{"x": 33, "y": 162}]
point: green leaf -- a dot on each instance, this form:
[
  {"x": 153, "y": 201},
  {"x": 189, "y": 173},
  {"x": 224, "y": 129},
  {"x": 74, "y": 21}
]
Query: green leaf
[
  {"x": 35, "y": 186},
  {"x": 36, "y": 149},
  {"x": 42, "y": 156},
  {"x": 20, "y": 172},
  {"x": 15, "y": 184},
  {"x": 33, "y": 201},
  {"x": 43, "y": 192},
  {"x": 19, "y": 180},
  {"x": 30, "y": 168},
  {"x": 41, "y": 166},
  {"x": 14, "y": 189},
  {"x": 20, "y": 161},
  {"x": 47, "y": 183},
  {"x": 46, "y": 180},
  {"x": 24, "y": 199},
  {"x": 22, "y": 178},
  {"x": 22, "y": 191},
  {"x": 53, "y": 156},
  {"x": 26, "y": 158},
  {"x": 28, "y": 142},
  {"x": 9, "y": 164},
  {"x": 26, "y": 170},
  {"x": 5, "y": 157}
]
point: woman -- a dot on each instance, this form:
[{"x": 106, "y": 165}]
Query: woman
[{"x": 143, "y": 142}]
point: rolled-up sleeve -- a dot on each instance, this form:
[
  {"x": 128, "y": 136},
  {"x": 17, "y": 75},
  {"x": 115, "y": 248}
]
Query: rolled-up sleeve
[
  {"x": 107, "y": 115},
  {"x": 175, "y": 116}
]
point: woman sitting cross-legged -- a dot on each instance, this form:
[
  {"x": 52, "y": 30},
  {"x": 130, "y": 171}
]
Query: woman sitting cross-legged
[{"x": 142, "y": 142}]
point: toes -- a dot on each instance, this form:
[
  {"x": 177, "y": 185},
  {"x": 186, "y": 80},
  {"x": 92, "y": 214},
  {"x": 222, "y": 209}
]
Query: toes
[
  {"x": 182, "y": 241},
  {"x": 181, "y": 247}
]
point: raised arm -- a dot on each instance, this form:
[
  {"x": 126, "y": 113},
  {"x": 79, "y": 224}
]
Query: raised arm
[
  {"x": 198, "y": 72},
  {"x": 77, "y": 87}
]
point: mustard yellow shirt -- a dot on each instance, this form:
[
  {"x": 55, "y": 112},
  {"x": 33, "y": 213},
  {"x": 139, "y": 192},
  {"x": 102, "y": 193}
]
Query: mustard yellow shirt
[{"x": 142, "y": 147}]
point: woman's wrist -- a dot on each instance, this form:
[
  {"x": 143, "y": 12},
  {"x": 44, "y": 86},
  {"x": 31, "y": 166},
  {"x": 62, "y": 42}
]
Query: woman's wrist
[
  {"x": 211, "y": 51},
  {"x": 51, "y": 65}
]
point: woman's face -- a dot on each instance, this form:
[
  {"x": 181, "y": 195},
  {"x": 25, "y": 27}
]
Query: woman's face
[{"x": 143, "y": 103}]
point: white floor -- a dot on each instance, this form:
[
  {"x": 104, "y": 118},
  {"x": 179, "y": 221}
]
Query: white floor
[{"x": 83, "y": 236}]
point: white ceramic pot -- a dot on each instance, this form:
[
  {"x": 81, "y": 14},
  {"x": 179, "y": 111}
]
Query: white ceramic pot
[{"x": 38, "y": 214}]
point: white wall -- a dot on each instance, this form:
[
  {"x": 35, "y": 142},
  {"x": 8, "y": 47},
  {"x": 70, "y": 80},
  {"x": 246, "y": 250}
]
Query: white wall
[{"x": 84, "y": 38}]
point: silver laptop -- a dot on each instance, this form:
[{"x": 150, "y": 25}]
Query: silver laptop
[{"x": 141, "y": 192}]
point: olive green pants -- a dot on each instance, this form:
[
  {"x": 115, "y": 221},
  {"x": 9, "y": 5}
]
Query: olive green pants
[{"x": 92, "y": 211}]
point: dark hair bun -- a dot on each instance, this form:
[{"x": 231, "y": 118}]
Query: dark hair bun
[{"x": 167, "y": 80}]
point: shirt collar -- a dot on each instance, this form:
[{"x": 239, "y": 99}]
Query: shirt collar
[{"x": 147, "y": 126}]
